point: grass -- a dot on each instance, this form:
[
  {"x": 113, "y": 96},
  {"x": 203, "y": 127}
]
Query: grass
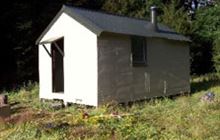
[{"x": 185, "y": 117}]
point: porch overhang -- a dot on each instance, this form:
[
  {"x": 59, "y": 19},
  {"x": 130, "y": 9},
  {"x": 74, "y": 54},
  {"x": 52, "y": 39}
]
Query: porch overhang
[{"x": 50, "y": 41}]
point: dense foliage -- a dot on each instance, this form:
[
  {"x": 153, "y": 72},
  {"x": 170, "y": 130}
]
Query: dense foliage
[
  {"x": 205, "y": 33},
  {"x": 21, "y": 24},
  {"x": 23, "y": 21},
  {"x": 172, "y": 11},
  {"x": 132, "y": 8}
]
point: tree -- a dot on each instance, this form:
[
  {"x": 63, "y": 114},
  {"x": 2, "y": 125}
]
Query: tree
[
  {"x": 7, "y": 55},
  {"x": 89, "y": 4},
  {"x": 175, "y": 17},
  {"x": 216, "y": 55},
  {"x": 207, "y": 23},
  {"x": 205, "y": 32},
  {"x": 21, "y": 24},
  {"x": 131, "y": 8}
]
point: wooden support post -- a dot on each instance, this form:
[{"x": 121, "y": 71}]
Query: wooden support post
[
  {"x": 47, "y": 50},
  {"x": 58, "y": 48}
]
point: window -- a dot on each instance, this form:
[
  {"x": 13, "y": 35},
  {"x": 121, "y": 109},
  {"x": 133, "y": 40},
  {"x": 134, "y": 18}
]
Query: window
[{"x": 139, "y": 51}]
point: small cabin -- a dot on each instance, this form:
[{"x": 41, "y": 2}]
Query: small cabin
[{"x": 92, "y": 58}]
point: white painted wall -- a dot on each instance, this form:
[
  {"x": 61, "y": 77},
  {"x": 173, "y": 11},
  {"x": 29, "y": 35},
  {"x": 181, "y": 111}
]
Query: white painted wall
[
  {"x": 80, "y": 63},
  {"x": 45, "y": 69}
]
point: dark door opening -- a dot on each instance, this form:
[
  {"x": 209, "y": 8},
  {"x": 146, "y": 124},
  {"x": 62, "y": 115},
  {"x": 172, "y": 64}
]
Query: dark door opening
[{"x": 57, "y": 49}]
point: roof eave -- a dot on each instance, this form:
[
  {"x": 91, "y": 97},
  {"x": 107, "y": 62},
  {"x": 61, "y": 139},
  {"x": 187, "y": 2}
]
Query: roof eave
[
  {"x": 50, "y": 25},
  {"x": 89, "y": 25},
  {"x": 85, "y": 22},
  {"x": 96, "y": 29}
]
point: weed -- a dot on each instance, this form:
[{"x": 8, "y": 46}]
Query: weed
[{"x": 185, "y": 117}]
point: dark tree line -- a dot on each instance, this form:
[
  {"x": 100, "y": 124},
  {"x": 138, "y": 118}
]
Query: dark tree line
[{"x": 22, "y": 21}]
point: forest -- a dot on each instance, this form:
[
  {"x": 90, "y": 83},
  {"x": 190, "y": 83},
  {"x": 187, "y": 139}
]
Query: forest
[{"x": 23, "y": 21}]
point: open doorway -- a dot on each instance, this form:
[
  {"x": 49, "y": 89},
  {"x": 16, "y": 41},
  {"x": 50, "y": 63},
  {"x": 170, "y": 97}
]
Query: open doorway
[{"x": 57, "y": 54}]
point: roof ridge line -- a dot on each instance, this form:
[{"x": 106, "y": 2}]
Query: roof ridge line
[{"x": 104, "y": 12}]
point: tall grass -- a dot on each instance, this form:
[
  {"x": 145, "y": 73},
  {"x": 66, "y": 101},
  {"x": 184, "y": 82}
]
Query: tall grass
[{"x": 185, "y": 117}]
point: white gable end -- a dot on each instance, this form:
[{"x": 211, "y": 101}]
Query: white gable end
[
  {"x": 80, "y": 62},
  {"x": 62, "y": 27}
]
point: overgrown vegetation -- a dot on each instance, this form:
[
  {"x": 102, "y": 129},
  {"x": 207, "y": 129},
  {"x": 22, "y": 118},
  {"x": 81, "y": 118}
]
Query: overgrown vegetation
[{"x": 185, "y": 117}]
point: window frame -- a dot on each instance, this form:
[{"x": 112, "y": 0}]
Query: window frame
[{"x": 143, "y": 40}]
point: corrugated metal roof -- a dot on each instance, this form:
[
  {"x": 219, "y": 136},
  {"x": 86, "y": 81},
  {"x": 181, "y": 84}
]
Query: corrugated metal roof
[{"x": 99, "y": 22}]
